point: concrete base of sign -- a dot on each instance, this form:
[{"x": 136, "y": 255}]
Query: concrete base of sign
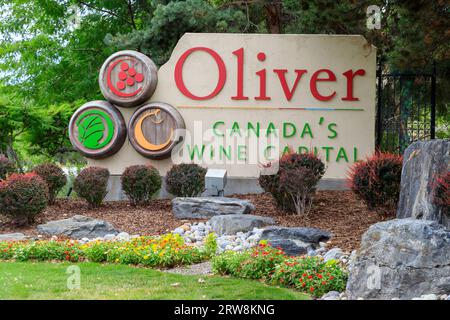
[{"x": 234, "y": 186}]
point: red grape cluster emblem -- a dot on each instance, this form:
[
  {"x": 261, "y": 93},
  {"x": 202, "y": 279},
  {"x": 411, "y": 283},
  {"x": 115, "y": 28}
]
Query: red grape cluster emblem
[{"x": 128, "y": 76}]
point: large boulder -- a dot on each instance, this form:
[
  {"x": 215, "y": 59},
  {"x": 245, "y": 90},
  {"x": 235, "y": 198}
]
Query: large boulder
[
  {"x": 77, "y": 227},
  {"x": 12, "y": 237},
  {"x": 422, "y": 160},
  {"x": 234, "y": 223},
  {"x": 207, "y": 207},
  {"x": 401, "y": 258},
  {"x": 295, "y": 241}
]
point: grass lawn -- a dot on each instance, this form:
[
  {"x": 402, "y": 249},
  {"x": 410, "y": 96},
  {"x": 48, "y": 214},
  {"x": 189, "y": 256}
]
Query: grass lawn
[{"x": 26, "y": 280}]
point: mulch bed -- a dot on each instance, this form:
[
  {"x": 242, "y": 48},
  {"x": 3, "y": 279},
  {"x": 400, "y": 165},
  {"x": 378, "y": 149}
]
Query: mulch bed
[{"x": 337, "y": 211}]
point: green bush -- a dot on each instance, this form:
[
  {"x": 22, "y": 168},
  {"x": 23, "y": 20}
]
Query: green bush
[
  {"x": 256, "y": 263},
  {"x": 163, "y": 251},
  {"x": 294, "y": 183},
  {"x": 23, "y": 196},
  {"x": 376, "y": 180},
  {"x": 140, "y": 183},
  {"x": 186, "y": 180},
  {"x": 54, "y": 177},
  {"x": 92, "y": 184},
  {"x": 311, "y": 275},
  {"x": 6, "y": 167}
]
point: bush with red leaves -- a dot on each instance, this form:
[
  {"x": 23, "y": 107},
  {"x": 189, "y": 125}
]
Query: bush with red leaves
[
  {"x": 186, "y": 180},
  {"x": 91, "y": 185},
  {"x": 376, "y": 180},
  {"x": 140, "y": 183},
  {"x": 294, "y": 184},
  {"x": 6, "y": 167},
  {"x": 441, "y": 192},
  {"x": 23, "y": 196},
  {"x": 53, "y": 176}
]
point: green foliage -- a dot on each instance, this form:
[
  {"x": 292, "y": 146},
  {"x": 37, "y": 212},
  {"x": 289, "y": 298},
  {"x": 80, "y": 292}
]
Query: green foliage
[
  {"x": 376, "y": 181},
  {"x": 92, "y": 185},
  {"x": 23, "y": 196},
  {"x": 163, "y": 251},
  {"x": 257, "y": 263},
  {"x": 53, "y": 176},
  {"x": 140, "y": 183},
  {"x": 6, "y": 167},
  {"x": 294, "y": 183},
  {"x": 311, "y": 275},
  {"x": 210, "y": 244},
  {"x": 186, "y": 180}
]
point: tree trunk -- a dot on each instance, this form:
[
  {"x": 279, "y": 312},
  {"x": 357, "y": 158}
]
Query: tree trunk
[{"x": 273, "y": 16}]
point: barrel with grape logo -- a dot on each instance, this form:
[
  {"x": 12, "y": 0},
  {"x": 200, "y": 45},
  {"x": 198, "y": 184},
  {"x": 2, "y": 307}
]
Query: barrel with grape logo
[
  {"x": 97, "y": 129},
  {"x": 128, "y": 78}
]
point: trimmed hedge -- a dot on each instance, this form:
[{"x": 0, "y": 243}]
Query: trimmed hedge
[
  {"x": 91, "y": 185},
  {"x": 140, "y": 183},
  {"x": 55, "y": 178},
  {"x": 186, "y": 180}
]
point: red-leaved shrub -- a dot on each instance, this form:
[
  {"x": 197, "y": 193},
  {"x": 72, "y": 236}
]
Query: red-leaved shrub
[
  {"x": 186, "y": 180},
  {"x": 6, "y": 167},
  {"x": 92, "y": 184},
  {"x": 376, "y": 180},
  {"x": 140, "y": 183},
  {"x": 294, "y": 184},
  {"x": 441, "y": 192},
  {"x": 53, "y": 176},
  {"x": 23, "y": 196}
]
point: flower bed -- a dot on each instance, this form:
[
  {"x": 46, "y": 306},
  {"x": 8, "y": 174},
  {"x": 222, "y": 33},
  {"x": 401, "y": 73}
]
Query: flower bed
[
  {"x": 165, "y": 251},
  {"x": 308, "y": 274}
]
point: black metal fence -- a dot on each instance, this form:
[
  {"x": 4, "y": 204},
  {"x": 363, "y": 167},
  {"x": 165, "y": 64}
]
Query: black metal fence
[{"x": 406, "y": 109}]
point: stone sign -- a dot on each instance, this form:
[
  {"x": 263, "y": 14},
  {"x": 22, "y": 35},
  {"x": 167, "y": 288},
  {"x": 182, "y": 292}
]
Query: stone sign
[{"x": 245, "y": 99}]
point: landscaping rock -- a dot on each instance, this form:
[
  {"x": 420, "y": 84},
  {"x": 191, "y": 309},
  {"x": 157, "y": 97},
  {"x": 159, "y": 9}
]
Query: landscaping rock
[
  {"x": 234, "y": 223},
  {"x": 422, "y": 160},
  {"x": 333, "y": 254},
  {"x": 207, "y": 207},
  {"x": 78, "y": 227},
  {"x": 12, "y": 237},
  {"x": 309, "y": 235},
  {"x": 401, "y": 258},
  {"x": 332, "y": 295},
  {"x": 290, "y": 246}
]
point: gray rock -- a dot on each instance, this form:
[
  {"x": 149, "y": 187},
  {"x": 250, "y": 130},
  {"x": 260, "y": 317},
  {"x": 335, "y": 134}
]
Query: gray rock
[
  {"x": 12, "y": 237},
  {"x": 78, "y": 227},
  {"x": 238, "y": 223},
  {"x": 206, "y": 207},
  {"x": 309, "y": 235},
  {"x": 290, "y": 246},
  {"x": 332, "y": 295},
  {"x": 333, "y": 254},
  {"x": 401, "y": 258},
  {"x": 178, "y": 230},
  {"x": 422, "y": 160}
]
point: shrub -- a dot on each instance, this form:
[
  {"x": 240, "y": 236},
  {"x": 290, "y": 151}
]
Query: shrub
[
  {"x": 256, "y": 263},
  {"x": 164, "y": 251},
  {"x": 311, "y": 275},
  {"x": 91, "y": 184},
  {"x": 294, "y": 184},
  {"x": 53, "y": 176},
  {"x": 140, "y": 183},
  {"x": 441, "y": 192},
  {"x": 186, "y": 180},
  {"x": 376, "y": 181},
  {"x": 23, "y": 196},
  {"x": 6, "y": 167}
]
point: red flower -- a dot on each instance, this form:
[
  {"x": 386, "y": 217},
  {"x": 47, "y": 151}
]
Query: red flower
[
  {"x": 331, "y": 277},
  {"x": 319, "y": 276},
  {"x": 311, "y": 289}
]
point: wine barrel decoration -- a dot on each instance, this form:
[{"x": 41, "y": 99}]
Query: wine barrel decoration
[
  {"x": 128, "y": 78},
  {"x": 97, "y": 129},
  {"x": 152, "y": 130}
]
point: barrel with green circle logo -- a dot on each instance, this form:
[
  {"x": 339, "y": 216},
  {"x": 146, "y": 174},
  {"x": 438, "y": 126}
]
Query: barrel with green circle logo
[{"x": 97, "y": 129}]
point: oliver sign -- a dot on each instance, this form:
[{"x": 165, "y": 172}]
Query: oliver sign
[{"x": 234, "y": 101}]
